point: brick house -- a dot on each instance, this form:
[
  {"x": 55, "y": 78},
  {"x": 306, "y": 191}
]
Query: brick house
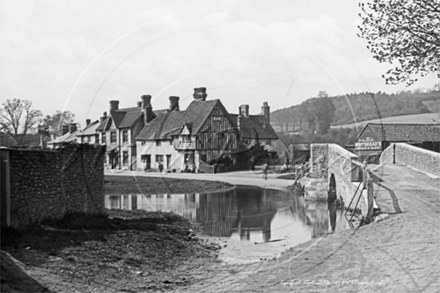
[
  {"x": 69, "y": 135},
  {"x": 118, "y": 131},
  {"x": 205, "y": 131},
  {"x": 88, "y": 134}
]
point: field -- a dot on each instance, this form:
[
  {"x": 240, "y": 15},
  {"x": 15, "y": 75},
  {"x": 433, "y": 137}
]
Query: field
[{"x": 429, "y": 118}]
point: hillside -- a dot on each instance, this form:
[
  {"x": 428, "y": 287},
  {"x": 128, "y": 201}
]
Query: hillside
[
  {"x": 429, "y": 118},
  {"x": 357, "y": 107}
]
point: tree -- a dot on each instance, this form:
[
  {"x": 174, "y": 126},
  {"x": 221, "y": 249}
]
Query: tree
[
  {"x": 323, "y": 111},
  {"x": 405, "y": 33},
  {"x": 55, "y": 122},
  {"x": 17, "y": 114}
]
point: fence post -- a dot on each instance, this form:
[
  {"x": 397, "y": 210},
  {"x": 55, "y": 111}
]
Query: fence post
[{"x": 370, "y": 198}]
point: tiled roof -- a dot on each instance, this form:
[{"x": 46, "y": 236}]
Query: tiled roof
[
  {"x": 125, "y": 118},
  {"x": 252, "y": 126},
  {"x": 169, "y": 124},
  {"x": 67, "y": 137},
  {"x": 90, "y": 129},
  {"x": 405, "y": 132}
]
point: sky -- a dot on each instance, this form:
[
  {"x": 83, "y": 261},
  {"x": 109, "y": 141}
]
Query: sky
[{"x": 78, "y": 55}]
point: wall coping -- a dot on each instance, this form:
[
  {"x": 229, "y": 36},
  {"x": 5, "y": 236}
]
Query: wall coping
[
  {"x": 417, "y": 149},
  {"x": 338, "y": 149}
]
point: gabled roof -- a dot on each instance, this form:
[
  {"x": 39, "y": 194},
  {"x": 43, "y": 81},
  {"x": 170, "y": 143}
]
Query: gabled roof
[
  {"x": 90, "y": 129},
  {"x": 252, "y": 127},
  {"x": 404, "y": 132},
  {"x": 169, "y": 124},
  {"x": 127, "y": 117},
  {"x": 67, "y": 137}
]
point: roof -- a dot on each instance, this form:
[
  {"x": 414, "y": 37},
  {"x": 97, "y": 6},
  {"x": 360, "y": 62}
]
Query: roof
[
  {"x": 90, "y": 129},
  {"x": 404, "y": 132},
  {"x": 125, "y": 118},
  {"x": 170, "y": 123},
  {"x": 252, "y": 127},
  {"x": 67, "y": 137},
  {"x": 6, "y": 140}
]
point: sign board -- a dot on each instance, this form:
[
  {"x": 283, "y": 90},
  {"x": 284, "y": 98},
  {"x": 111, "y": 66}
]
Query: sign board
[{"x": 367, "y": 143}]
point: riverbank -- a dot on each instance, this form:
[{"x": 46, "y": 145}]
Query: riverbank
[{"x": 121, "y": 251}]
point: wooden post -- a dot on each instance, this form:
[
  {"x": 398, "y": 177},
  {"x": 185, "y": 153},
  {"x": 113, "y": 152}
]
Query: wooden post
[{"x": 370, "y": 198}]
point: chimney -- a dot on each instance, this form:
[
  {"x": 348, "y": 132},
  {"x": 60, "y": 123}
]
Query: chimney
[
  {"x": 200, "y": 94},
  {"x": 147, "y": 108},
  {"x": 103, "y": 117},
  {"x": 265, "y": 110},
  {"x": 239, "y": 122},
  {"x": 139, "y": 104},
  {"x": 72, "y": 127},
  {"x": 244, "y": 111},
  {"x": 174, "y": 103},
  {"x": 65, "y": 129},
  {"x": 114, "y": 105},
  {"x": 87, "y": 122}
]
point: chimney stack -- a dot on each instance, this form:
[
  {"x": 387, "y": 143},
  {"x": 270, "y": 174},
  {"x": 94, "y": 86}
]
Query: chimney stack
[
  {"x": 147, "y": 108},
  {"x": 200, "y": 94},
  {"x": 265, "y": 110},
  {"x": 114, "y": 105},
  {"x": 87, "y": 122},
  {"x": 174, "y": 103},
  {"x": 65, "y": 129},
  {"x": 243, "y": 110},
  {"x": 139, "y": 104},
  {"x": 72, "y": 127},
  {"x": 239, "y": 122},
  {"x": 103, "y": 117}
]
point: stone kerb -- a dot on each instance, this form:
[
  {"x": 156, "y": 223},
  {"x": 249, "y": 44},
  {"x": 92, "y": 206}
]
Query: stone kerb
[{"x": 411, "y": 156}]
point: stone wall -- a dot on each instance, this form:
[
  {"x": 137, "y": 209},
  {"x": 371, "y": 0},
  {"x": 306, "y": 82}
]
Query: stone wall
[
  {"x": 51, "y": 183},
  {"x": 417, "y": 158},
  {"x": 327, "y": 160}
]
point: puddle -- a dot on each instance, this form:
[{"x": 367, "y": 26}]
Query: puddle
[{"x": 254, "y": 223}]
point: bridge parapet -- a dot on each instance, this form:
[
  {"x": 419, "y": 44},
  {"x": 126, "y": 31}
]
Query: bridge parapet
[
  {"x": 334, "y": 169},
  {"x": 415, "y": 157}
]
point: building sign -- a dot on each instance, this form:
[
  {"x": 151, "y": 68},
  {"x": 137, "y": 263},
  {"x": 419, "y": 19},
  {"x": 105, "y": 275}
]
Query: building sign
[{"x": 367, "y": 144}]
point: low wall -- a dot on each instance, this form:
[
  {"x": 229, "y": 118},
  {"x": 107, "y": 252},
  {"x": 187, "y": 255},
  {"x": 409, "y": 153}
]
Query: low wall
[
  {"x": 417, "y": 158},
  {"x": 50, "y": 183},
  {"x": 331, "y": 162}
]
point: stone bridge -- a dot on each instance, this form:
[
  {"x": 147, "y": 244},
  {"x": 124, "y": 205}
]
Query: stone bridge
[{"x": 334, "y": 173}]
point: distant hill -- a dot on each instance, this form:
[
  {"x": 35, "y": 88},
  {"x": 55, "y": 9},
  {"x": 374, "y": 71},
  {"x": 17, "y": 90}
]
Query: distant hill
[
  {"x": 429, "y": 118},
  {"x": 360, "y": 107}
]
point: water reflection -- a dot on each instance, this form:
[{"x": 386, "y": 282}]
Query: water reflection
[{"x": 245, "y": 213}]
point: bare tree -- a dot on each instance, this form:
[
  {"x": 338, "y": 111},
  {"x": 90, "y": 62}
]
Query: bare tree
[{"x": 16, "y": 115}]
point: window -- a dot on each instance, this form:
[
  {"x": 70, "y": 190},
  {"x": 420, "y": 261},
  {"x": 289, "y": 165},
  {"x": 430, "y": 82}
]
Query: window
[
  {"x": 124, "y": 157},
  {"x": 168, "y": 161},
  {"x": 171, "y": 141},
  {"x": 124, "y": 136},
  {"x": 89, "y": 139},
  {"x": 112, "y": 137},
  {"x": 103, "y": 138},
  {"x": 159, "y": 161},
  {"x": 157, "y": 142},
  {"x": 143, "y": 142}
]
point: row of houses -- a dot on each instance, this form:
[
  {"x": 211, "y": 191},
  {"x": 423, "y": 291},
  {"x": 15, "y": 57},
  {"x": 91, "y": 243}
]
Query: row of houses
[{"x": 140, "y": 138}]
